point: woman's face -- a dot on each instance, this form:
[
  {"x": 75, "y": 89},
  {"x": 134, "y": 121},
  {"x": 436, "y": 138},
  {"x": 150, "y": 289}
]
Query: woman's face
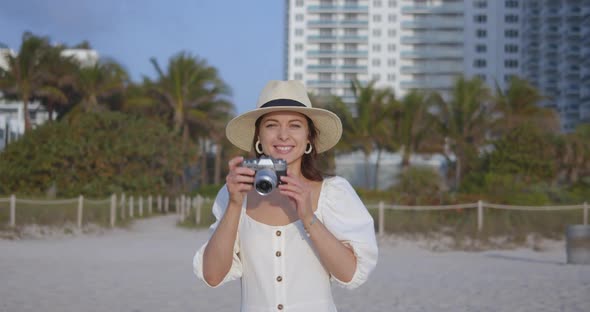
[{"x": 284, "y": 135}]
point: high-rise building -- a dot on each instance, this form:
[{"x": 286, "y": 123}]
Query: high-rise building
[
  {"x": 556, "y": 58},
  {"x": 426, "y": 44}
]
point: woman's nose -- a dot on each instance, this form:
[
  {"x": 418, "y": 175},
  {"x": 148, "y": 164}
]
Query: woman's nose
[{"x": 283, "y": 133}]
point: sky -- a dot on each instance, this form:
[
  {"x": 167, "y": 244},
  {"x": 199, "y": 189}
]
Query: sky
[{"x": 244, "y": 40}]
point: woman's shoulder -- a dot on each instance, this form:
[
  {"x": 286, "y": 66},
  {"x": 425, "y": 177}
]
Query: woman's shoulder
[{"x": 337, "y": 182}]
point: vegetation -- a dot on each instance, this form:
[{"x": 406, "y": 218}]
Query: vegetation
[{"x": 165, "y": 134}]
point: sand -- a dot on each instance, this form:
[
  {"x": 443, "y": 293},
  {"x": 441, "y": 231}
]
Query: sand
[{"x": 148, "y": 268}]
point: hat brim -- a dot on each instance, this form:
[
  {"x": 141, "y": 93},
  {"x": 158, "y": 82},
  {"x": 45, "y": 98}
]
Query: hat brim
[{"x": 240, "y": 130}]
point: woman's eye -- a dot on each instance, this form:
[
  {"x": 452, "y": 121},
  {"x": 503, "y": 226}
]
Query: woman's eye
[
  {"x": 270, "y": 125},
  {"x": 296, "y": 125}
]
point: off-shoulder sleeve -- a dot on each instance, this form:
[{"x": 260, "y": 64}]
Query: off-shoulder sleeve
[
  {"x": 347, "y": 218},
  {"x": 235, "y": 272}
]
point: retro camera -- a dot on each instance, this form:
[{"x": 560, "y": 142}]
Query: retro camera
[{"x": 268, "y": 173}]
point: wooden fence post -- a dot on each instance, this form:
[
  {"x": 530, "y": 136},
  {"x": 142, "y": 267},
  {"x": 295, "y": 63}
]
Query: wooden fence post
[
  {"x": 131, "y": 206},
  {"x": 166, "y": 204},
  {"x": 150, "y": 211},
  {"x": 159, "y": 203},
  {"x": 123, "y": 206},
  {"x": 12, "y": 210},
  {"x": 585, "y": 213},
  {"x": 113, "y": 209},
  {"x": 80, "y": 210},
  {"x": 198, "y": 204},
  {"x": 140, "y": 206},
  {"x": 479, "y": 215},
  {"x": 381, "y": 218}
]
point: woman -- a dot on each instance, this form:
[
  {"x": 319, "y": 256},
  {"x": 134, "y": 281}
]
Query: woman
[{"x": 288, "y": 245}]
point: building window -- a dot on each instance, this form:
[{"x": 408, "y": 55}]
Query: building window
[
  {"x": 326, "y": 32},
  {"x": 298, "y": 32},
  {"x": 392, "y": 3},
  {"x": 349, "y": 76},
  {"x": 481, "y": 48},
  {"x": 481, "y": 76},
  {"x": 507, "y": 78},
  {"x": 350, "y": 46},
  {"x": 349, "y": 61},
  {"x": 511, "y": 48},
  {"x": 481, "y": 33},
  {"x": 325, "y": 46},
  {"x": 376, "y": 77},
  {"x": 511, "y": 33},
  {"x": 376, "y": 62},
  {"x": 324, "y": 91},
  {"x": 299, "y": 3},
  {"x": 376, "y": 18},
  {"x": 511, "y": 18},
  {"x": 325, "y": 16},
  {"x": 391, "y": 62},
  {"x": 325, "y": 61},
  {"x": 511, "y": 63},
  {"x": 350, "y": 31},
  {"x": 298, "y": 47},
  {"x": 391, "y": 32},
  {"x": 511, "y": 4},
  {"x": 298, "y": 62},
  {"x": 298, "y": 76},
  {"x": 391, "y": 47},
  {"x": 480, "y": 19},
  {"x": 326, "y": 2},
  {"x": 392, "y": 18},
  {"x": 390, "y": 77},
  {"x": 350, "y": 16},
  {"x": 377, "y": 32},
  {"x": 351, "y": 2},
  {"x": 480, "y": 4},
  {"x": 376, "y": 48},
  {"x": 479, "y": 63},
  {"x": 325, "y": 76},
  {"x": 377, "y": 3},
  {"x": 299, "y": 17}
]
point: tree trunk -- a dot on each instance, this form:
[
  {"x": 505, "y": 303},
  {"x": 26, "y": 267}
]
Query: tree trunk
[
  {"x": 457, "y": 171},
  {"x": 217, "y": 175},
  {"x": 26, "y": 115},
  {"x": 204, "y": 178},
  {"x": 376, "y": 184},
  {"x": 367, "y": 167}
]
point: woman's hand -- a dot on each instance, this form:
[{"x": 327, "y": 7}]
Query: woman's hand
[
  {"x": 300, "y": 193},
  {"x": 239, "y": 181}
]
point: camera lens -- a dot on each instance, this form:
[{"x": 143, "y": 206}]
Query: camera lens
[
  {"x": 264, "y": 186},
  {"x": 265, "y": 181}
]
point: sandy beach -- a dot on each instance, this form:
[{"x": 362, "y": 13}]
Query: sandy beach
[{"x": 148, "y": 268}]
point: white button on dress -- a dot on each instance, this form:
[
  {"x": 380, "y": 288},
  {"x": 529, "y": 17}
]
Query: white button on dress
[{"x": 278, "y": 266}]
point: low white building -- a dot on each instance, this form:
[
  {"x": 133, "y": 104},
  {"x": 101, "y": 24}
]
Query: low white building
[{"x": 12, "y": 125}]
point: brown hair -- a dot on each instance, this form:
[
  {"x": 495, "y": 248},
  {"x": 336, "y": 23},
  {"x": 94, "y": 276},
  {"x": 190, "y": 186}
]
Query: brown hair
[{"x": 309, "y": 167}]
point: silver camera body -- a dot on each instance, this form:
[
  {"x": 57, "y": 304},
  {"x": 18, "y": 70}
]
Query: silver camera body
[{"x": 268, "y": 173}]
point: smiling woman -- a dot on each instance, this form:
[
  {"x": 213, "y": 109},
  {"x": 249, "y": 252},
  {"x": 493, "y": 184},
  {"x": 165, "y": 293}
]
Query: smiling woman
[{"x": 287, "y": 245}]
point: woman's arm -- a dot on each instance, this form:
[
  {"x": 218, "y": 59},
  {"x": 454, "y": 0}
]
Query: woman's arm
[{"x": 219, "y": 252}]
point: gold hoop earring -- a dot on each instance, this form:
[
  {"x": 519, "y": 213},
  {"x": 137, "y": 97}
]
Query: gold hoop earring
[
  {"x": 258, "y": 149},
  {"x": 309, "y": 149}
]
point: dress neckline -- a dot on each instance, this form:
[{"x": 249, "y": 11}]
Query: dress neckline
[{"x": 319, "y": 206}]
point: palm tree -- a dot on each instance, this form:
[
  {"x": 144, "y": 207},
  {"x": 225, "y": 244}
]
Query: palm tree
[
  {"x": 366, "y": 127},
  {"x": 98, "y": 82},
  {"x": 414, "y": 123},
  {"x": 188, "y": 85},
  {"x": 26, "y": 75},
  {"x": 464, "y": 120},
  {"x": 520, "y": 104},
  {"x": 193, "y": 93}
]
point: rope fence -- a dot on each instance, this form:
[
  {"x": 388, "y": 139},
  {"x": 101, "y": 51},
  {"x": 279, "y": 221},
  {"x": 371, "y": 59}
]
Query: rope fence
[
  {"x": 479, "y": 205},
  {"x": 122, "y": 207},
  {"x": 114, "y": 208}
]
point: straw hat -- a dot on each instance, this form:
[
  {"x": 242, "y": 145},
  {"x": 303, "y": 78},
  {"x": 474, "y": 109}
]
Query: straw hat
[{"x": 285, "y": 96}]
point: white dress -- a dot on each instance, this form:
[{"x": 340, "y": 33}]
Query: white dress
[{"x": 278, "y": 266}]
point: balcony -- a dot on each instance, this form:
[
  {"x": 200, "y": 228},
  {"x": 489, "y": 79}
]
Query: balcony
[
  {"x": 432, "y": 69},
  {"x": 337, "y": 9},
  {"x": 334, "y": 53},
  {"x": 426, "y": 9},
  {"x": 338, "y": 23},
  {"x": 434, "y": 53},
  {"x": 433, "y": 38},
  {"x": 438, "y": 23},
  {"x": 427, "y": 84},
  {"x": 337, "y": 68}
]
